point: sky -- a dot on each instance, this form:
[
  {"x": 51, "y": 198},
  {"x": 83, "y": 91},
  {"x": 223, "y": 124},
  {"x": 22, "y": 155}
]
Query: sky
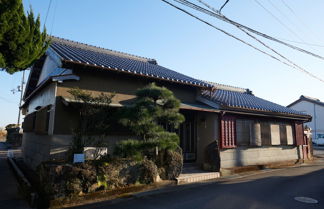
[{"x": 151, "y": 28}]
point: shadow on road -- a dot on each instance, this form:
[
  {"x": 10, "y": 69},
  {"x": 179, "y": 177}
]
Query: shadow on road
[{"x": 269, "y": 190}]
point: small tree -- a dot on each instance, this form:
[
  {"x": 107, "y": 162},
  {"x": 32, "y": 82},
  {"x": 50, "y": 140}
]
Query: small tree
[
  {"x": 21, "y": 41},
  {"x": 95, "y": 119},
  {"x": 155, "y": 108}
]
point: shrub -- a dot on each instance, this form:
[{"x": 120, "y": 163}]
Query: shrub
[
  {"x": 138, "y": 149},
  {"x": 149, "y": 172}
]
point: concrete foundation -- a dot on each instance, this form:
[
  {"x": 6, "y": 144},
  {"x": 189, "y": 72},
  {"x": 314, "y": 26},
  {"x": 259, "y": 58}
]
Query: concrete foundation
[{"x": 243, "y": 156}]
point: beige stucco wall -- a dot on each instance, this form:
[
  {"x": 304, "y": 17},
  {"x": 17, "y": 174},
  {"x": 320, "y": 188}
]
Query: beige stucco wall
[
  {"x": 242, "y": 156},
  {"x": 207, "y": 133},
  {"x": 124, "y": 86}
]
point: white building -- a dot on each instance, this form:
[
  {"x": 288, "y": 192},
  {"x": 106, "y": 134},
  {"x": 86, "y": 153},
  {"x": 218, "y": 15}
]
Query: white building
[{"x": 315, "y": 108}]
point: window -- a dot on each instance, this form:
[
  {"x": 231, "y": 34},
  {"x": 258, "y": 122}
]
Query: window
[
  {"x": 283, "y": 134},
  {"x": 243, "y": 132},
  {"x": 265, "y": 134},
  {"x": 29, "y": 122},
  {"x": 228, "y": 135},
  {"x": 42, "y": 121},
  {"x": 290, "y": 136},
  {"x": 275, "y": 134}
]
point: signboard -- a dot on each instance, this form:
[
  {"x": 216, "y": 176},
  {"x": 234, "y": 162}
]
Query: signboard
[{"x": 78, "y": 158}]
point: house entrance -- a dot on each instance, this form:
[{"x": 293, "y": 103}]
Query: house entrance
[{"x": 188, "y": 138}]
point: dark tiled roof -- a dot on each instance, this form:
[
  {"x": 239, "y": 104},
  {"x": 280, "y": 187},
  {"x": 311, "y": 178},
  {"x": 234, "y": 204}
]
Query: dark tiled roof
[
  {"x": 108, "y": 59},
  {"x": 245, "y": 100}
]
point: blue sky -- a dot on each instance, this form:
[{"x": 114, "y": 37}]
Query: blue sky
[{"x": 150, "y": 28}]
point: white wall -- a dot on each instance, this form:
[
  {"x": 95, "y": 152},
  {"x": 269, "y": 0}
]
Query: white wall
[
  {"x": 45, "y": 97},
  {"x": 49, "y": 66},
  {"x": 316, "y": 111}
]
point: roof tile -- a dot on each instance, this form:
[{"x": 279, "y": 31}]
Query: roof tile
[{"x": 91, "y": 55}]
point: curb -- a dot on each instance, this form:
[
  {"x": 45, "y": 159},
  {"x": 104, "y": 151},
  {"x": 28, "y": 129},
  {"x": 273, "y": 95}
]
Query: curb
[{"x": 23, "y": 183}]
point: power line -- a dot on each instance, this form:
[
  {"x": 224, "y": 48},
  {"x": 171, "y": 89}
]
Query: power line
[
  {"x": 285, "y": 16},
  {"x": 48, "y": 9},
  {"x": 304, "y": 43},
  {"x": 278, "y": 20},
  {"x": 225, "y": 19},
  {"x": 54, "y": 15},
  {"x": 300, "y": 19},
  {"x": 276, "y": 52},
  {"x": 220, "y": 10},
  {"x": 6, "y": 100},
  {"x": 290, "y": 63},
  {"x": 298, "y": 42},
  {"x": 192, "y": 15}
]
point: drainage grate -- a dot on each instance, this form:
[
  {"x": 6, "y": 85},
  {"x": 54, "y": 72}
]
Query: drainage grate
[{"x": 306, "y": 200}]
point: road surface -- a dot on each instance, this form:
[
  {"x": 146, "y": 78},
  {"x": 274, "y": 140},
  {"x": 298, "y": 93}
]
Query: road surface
[
  {"x": 275, "y": 189},
  {"x": 9, "y": 196}
]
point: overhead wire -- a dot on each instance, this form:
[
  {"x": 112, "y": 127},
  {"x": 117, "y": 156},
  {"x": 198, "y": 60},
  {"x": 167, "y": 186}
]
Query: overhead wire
[
  {"x": 223, "y": 31},
  {"x": 48, "y": 9},
  {"x": 287, "y": 17},
  {"x": 278, "y": 20},
  {"x": 6, "y": 100},
  {"x": 225, "y": 19},
  {"x": 220, "y": 10},
  {"x": 290, "y": 63},
  {"x": 300, "y": 19},
  {"x": 298, "y": 42},
  {"x": 273, "y": 50},
  {"x": 54, "y": 15}
]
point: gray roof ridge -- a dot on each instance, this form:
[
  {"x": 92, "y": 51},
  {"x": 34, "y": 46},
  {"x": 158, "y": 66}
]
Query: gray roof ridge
[
  {"x": 310, "y": 98},
  {"x": 101, "y": 49},
  {"x": 228, "y": 87}
]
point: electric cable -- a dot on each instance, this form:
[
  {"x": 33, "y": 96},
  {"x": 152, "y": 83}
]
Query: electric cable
[
  {"x": 225, "y": 19},
  {"x": 291, "y": 64}
]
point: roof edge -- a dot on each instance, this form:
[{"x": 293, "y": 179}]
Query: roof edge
[{"x": 101, "y": 49}]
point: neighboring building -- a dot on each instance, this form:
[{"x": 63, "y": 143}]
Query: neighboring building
[
  {"x": 248, "y": 129},
  {"x": 315, "y": 108}
]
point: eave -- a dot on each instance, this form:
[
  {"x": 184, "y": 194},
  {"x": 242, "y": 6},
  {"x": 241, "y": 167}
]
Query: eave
[{"x": 73, "y": 64}]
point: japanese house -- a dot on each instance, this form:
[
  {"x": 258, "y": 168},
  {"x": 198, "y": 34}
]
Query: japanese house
[{"x": 248, "y": 130}]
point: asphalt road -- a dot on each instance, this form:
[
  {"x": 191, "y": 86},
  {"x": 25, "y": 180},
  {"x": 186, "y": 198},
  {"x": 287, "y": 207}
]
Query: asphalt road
[
  {"x": 9, "y": 195},
  {"x": 269, "y": 189}
]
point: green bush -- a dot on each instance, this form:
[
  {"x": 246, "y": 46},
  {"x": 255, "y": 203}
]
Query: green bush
[
  {"x": 138, "y": 149},
  {"x": 135, "y": 149}
]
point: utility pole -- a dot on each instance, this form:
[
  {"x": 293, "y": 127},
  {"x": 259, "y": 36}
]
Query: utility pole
[
  {"x": 21, "y": 90},
  {"x": 21, "y": 95}
]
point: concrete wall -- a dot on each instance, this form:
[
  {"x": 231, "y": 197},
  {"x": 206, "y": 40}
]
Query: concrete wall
[
  {"x": 207, "y": 133},
  {"x": 317, "y": 113},
  {"x": 38, "y": 148},
  {"x": 243, "y": 156}
]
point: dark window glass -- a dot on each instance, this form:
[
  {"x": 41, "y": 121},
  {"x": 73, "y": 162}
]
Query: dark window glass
[
  {"x": 283, "y": 134},
  {"x": 243, "y": 132},
  {"x": 265, "y": 134}
]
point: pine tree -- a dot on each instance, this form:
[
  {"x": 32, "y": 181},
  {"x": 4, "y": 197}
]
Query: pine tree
[
  {"x": 21, "y": 41},
  {"x": 155, "y": 108}
]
